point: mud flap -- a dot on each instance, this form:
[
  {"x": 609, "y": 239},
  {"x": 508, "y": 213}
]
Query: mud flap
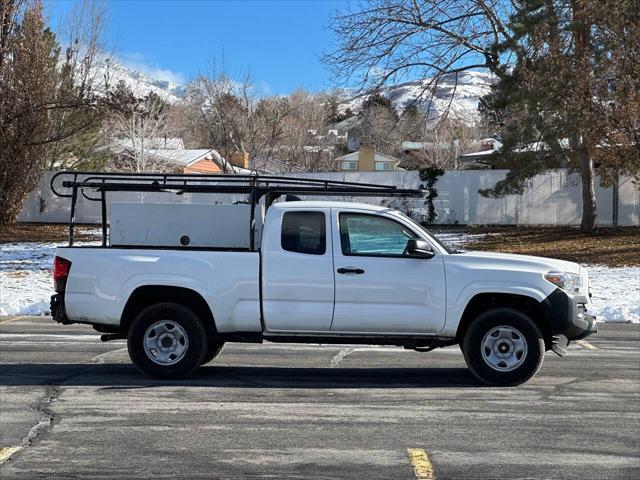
[{"x": 559, "y": 344}]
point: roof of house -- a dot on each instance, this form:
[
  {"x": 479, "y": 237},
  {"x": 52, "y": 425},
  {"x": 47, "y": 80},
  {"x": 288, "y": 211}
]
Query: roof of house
[
  {"x": 482, "y": 153},
  {"x": 542, "y": 146},
  {"x": 163, "y": 143},
  {"x": 535, "y": 147},
  {"x": 346, "y": 124},
  {"x": 425, "y": 145},
  {"x": 379, "y": 157},
  {"x": 181, "y": 157}
]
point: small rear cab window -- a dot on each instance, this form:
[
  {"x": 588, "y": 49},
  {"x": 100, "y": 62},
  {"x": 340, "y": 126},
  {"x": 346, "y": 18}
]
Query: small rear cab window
[{"x": 304, "y": 232}]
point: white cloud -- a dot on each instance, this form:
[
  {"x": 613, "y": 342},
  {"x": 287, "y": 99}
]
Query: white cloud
[{"x": 136, "y": 61}]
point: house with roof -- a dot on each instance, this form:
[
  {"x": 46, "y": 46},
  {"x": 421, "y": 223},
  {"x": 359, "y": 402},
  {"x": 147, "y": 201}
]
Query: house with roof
[
  {"x": 366, "y": 159},
  {"x": 345, "y": 132},
  {"x": 188, "y": 160},
  {"x": 491, "y": 157},
  {"x": 169, "y": 154}
]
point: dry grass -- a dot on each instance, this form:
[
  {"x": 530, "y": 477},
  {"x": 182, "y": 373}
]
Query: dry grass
[
  {"x": 610, "y": 246},
  {"x": 38, "y": 232}
]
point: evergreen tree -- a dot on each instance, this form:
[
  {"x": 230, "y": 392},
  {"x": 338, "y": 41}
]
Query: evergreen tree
[
  {"x": 377, "y": 100},
  {"x": 331, "y": 110},
  {"x": 557, "y": 96}
]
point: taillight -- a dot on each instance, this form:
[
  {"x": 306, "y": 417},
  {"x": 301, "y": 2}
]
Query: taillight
[{"x": 61, "y": 267}]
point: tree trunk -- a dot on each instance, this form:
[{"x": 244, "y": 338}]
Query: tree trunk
[
  {"x": 588, "y": 191},
  {"x": 584, "y": 101}
]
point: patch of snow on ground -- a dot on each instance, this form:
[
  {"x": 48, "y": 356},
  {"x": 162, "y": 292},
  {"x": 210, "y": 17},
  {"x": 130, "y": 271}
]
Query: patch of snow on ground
[
  {"x": 455, "y": 238},
  {"x": 616, "y": 293},
  {"x": 26, "y": 284},
  {"x": 25, "y": 278}
]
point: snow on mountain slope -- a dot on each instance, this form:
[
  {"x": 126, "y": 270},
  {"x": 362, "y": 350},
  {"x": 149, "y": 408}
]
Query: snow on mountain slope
[
  {"x": 108, "y": 73},
  {"x": 466, "y": 92}
]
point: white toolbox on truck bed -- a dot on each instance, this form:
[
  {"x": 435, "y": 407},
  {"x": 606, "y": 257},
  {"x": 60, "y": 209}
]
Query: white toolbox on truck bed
[{"x": 175, "y": 224}]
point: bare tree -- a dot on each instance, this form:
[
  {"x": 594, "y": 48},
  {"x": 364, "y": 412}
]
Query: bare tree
[
  {"x": 230, "y": 115},
  {"x": 379, "y": 126},
  {"x": 37, "y": 83},
  {"x": 222, "y": 107},
  {"x": 388, "y": 41},
  {"x": 136, "y": 128},
  {"x": 74, "y": 133},
  {"x": 304, "y": 142}
]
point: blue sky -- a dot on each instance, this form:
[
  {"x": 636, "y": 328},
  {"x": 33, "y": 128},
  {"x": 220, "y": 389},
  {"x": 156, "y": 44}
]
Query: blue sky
[{"x": 278, "y": 41}]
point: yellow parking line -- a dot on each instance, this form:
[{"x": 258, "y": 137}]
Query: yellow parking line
[
  {"x": 421, "y": 464},
  {"x": 585, "y": 344},
  {"x": 6, "y": 452},
  {"x": 12, "y": 319}
]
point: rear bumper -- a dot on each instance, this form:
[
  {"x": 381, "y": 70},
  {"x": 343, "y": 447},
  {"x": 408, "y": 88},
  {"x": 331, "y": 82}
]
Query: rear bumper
[
  {"x": 57, "y": 309},
  {"x": 569, "y": 319}
]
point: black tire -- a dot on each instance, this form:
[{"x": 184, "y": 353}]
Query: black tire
[
  {"x": 193, "y": 344},
  {"x": 525, "y": 366},
  {"x": 213, "y": 351}
]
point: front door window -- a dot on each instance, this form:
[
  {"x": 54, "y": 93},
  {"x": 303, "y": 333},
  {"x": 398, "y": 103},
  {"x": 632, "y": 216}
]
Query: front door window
[{"x": 372, "y": 235}]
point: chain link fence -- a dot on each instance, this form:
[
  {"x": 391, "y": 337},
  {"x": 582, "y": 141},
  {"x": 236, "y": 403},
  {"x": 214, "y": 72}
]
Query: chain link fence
[{"x": 552, "y": 198}]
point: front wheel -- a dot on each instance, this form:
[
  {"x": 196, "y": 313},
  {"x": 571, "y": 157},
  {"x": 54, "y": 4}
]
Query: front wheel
[
  {"x": 503, "y": 346},
  {"x": 167, "y": 340},
  {"x": 213, "y": 351}
]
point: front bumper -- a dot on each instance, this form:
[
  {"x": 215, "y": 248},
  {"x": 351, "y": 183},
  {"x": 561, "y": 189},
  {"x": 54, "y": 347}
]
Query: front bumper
[{"x": 569, "y": 319}]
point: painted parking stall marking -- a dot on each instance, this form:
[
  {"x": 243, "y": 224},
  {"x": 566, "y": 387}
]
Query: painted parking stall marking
[
  {"x": 586, "y": 345},
  {"x": 421, "y": 464},
  {"x": 6, "y": 452}
]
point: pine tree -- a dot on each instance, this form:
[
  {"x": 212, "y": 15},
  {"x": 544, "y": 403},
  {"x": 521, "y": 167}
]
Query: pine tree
[
  {"x": 557, "y": 95},
  {"x": 378, "y": 100}
]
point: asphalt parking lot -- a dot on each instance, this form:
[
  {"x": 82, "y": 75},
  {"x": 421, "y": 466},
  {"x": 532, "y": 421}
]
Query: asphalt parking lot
[{"x": 73, "y": 407}]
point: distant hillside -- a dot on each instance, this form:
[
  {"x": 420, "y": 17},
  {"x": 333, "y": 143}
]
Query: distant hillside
[
  {"x": 470, "y": 87},
  {"x": 111, "y": 73},
  {"x": 464, "y": 106}
]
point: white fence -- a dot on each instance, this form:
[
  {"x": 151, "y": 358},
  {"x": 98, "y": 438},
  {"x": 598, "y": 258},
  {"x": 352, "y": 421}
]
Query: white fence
[{"x": 552, "y": 198}]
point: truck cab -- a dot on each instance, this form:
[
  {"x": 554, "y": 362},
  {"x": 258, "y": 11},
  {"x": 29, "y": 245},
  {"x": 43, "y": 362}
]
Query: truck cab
[{"x": 350, "y": 269}]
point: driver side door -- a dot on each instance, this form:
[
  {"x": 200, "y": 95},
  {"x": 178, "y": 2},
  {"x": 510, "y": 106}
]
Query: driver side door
[{"x": 379, "y": 288}]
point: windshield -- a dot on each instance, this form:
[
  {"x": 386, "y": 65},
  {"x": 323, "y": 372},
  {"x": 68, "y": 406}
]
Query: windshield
[{"x": 444, "y": 246}]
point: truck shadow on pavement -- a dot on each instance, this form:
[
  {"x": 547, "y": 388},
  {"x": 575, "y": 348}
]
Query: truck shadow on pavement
[{"x": 119, "y": 376}]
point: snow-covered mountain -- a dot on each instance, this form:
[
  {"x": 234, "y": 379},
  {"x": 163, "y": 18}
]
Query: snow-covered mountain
[
  {"x": 466, "y": 91},
  {"x": 110, "y": 73}
]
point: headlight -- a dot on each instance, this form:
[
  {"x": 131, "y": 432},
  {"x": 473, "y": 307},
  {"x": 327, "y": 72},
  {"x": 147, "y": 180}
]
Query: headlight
[{"x": 564, "y": 280}]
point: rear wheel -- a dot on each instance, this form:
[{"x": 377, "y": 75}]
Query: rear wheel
[
  {"x": 167, "y": 340},
  {"x": 503, "y": 346}
]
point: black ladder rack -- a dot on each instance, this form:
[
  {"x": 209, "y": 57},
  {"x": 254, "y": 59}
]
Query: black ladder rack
[{"x": 255, "y": 186}]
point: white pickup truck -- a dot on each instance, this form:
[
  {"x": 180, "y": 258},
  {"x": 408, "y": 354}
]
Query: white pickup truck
[{"x": 325, "y": 272}]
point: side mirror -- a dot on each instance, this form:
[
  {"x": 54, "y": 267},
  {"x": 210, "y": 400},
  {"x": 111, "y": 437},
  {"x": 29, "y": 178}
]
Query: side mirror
[{"x": 419, "y": 249}]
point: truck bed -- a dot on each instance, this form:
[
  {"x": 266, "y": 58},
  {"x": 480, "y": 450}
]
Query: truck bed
[{"x": 102, "y": 279}]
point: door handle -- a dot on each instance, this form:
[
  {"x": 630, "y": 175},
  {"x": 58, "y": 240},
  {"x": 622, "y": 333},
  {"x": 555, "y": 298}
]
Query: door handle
[{"x": 357, "y": 271}]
